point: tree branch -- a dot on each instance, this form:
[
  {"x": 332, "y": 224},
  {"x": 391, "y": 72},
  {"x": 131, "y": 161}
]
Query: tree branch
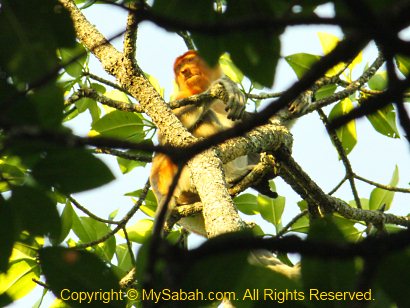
[
  {"x": 386, "y": 187},
  {"x": 122, "y": 223},
  {"x": 351, "y": 88},
  {"x": 343, "y": 156},
  {"x": 91, "y": 93},
  {"x": 293, "y": 174}
]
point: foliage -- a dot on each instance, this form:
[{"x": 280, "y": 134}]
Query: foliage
[{"x": 43, "y": 67}]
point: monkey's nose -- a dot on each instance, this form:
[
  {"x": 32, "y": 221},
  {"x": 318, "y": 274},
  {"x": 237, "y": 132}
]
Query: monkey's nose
[{"x": 186, "y": 72}]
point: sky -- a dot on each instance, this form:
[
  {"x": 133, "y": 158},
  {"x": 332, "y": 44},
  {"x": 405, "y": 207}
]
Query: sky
[{"x": 374, "y": 157}]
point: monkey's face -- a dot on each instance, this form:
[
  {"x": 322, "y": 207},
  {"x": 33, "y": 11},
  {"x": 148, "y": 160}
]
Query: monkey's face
[{"x": 193, "y": 74}]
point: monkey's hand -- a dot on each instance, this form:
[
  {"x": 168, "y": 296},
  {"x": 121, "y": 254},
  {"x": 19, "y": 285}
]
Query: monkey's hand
[
  {"x": 299, "y": 105},
  {"x": 288, "y": 115},
  {"x": 235, "y": 102}
]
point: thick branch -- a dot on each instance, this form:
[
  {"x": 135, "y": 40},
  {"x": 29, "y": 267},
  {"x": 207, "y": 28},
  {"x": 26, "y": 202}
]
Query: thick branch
[
  {"x": 293, "y": 174},
  {"x": 219, "y": 211},
  {"x": 92, "y": 38}
]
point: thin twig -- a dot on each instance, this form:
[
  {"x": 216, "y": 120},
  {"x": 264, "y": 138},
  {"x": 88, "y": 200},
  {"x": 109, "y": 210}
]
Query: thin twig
[
  {"x": 121, "y": 224},
  {"x": 129, "y": 246},
  {"x": 351, "y": 88},
  {"x": 343, "y": 156},
  {"x": 291, "y": 223},
  {"x": 105, "y": 81},
  {"x": 91, "y": 93},
  {"x": 90, "y": 214},
  {"x": 40, "y": 283},
  {"x": 142, "y": 157},
  {"x": 382, "y": 186},
  {"x": 337, "y": 186}
]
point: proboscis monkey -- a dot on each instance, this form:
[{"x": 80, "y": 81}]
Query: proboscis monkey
[{"x": 194, "y": 76}]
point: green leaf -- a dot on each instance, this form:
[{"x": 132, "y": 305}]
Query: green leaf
[
  {"x": 124, "y": 262},
  {"x": 32, "y": 39},
  {"x": 113, "y": 214},
  {"x": 8, "y": 233},
  {"x": 139, "y": 231},
  {"x": 42, "y": 107},
  {"x": 18, "y": 281},
  {"x": 378, "y": 82},
  {"x": 325, "y": 91},
  {"x": 142, "y": 261},
  {"x": 271, "y": 210},
  {"x": 150, "y": 203},
  {"x": 247, "y": 204},
  {"x": 5, "y": 300},
  {"x": 66, "y": 223},
  {"x": 89, "y": 104},
  {"x": 383, "y": 198},
  {"x": 72, "y": 170},
  {"x": 88, "y": 229},
  {"x": 347, "y": 133},
  {"x": 257, "y": 230},
  {"x": 191, "y": 11},
  {"x": 384, "y": 121},
  {"x": 229, "y": 68},
  {"x": 116, "y": 95},
  {"x": 123, "y": 257},
  {"x": 346, "y": 226},
  {"x": 301, "y": 62},
  {"x": 120, "y": 124},
  {"x": 27, "y": 247},
  {"x": 394, "y": 277},
  {"x": 79, "y": 271},
  {"x": 77, "y": 57},
  {"x": 327, "y": 275},
  {"x": 328, "y": 41},
  {"x": 49, "y": 106},
  {"x": 301, "y": 225},
  {"x": 303, "y": 205},
  {"x": 363, "y": 201},
  {"x": 127, "y": 165},
  {"x": 98, "y": 87},
  {"x": 33, "y": 207},
  {"x": 256, "y": 60},
  {"x": 403, "y": 64},
  {"x": 58, "y": 303},
  {"x": 84, "y": 103},
  {"x": 10, "y": 174}
]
